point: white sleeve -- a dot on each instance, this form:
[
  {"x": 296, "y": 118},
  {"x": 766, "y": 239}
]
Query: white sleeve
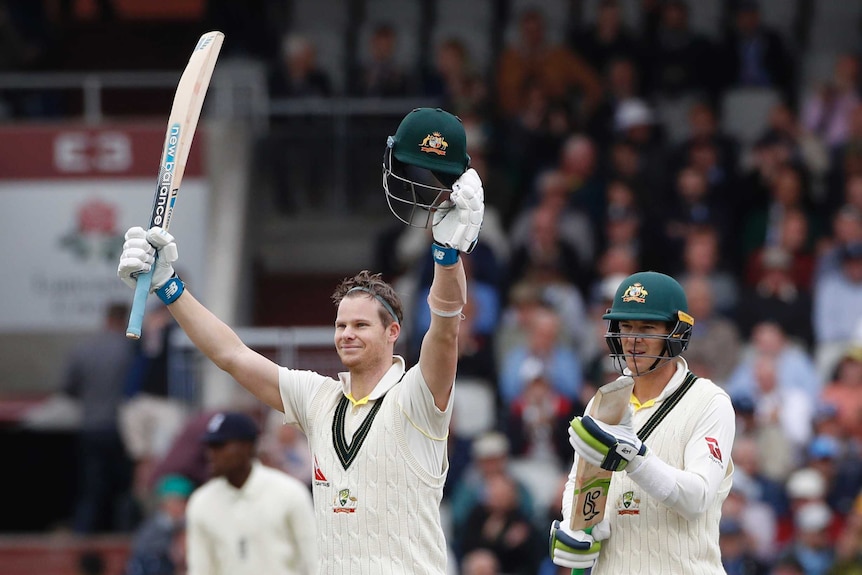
[
  {"x": 690, "y": 491},
  {"x": 426, "y": 426},
  {"x": 297, "y": 388}
]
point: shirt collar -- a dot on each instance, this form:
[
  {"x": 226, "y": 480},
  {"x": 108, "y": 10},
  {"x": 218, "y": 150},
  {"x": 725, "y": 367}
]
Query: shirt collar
[
  {"x": 387, "y": 382},
  {"x": 675, "y": 381}
]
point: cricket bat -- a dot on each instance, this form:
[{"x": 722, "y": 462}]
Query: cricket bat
[
  {"x": 592, "y": 482},
  {"x": 185, "y": 111}
]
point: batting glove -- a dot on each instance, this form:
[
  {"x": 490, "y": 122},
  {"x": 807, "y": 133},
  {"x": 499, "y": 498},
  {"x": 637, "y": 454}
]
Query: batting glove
[
  {"x": 457, "y": 221},
  {"x": 139, "y": 253},
  {"x": 612, "y": 447},
  {"x": 577, "y": 549}
]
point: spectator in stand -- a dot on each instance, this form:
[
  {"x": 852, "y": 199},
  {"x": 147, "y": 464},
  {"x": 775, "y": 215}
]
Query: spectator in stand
[
  {"x": 454, "y": 80},
  {"x": 678, "y": 60},
  {"x": 285, "y": 447},
  {"x": 754, "y": 54},
  {"x": 846, "y": 160},
  {"x": 703, "y": 131},
  {"x": 585, "y": 186},
  {"x": 716, "y": 346},
  {"x": 380, "y": 74},
  {"x": 692, "y": 206},
  {"x": 499, "y": 524},
  {"x": 539, "y": 419},
  {"x": 843, "y": 393},
  {"x": 554, "y": 69},
  {"x": 737, "y": 555},
  {"x": 846, "y": 230},
  {"x": 543, "y": 344},
  {"x": 622, "y": 82},
  {"x": 826, "y": 111},
  {"x": 837, "y": 308},
  {"x": 491, "y": 457},
  {"x": 794, "y": 238},
  {"x": 607, "y": 39},
  {"x": 94, "y": 374},
  {"x": 152, "y": 547},
  {"x": 635, "y": 123},
  {"x": 480, "y": 562},
  {"x": 151, "y": 417},
  {"x": 295, "y": 73},
  {"x": 748, "y": 459},
  {"x": 777, "y": 298},
  {"x": 812, "y": 544},
  {"x": 762, "y": 225},
  {"x": 703, "y": 257},
  {"x": 574, "y": 226},
  {"x": 795, "y": 366},
  {"x": 547, "y": 245}
]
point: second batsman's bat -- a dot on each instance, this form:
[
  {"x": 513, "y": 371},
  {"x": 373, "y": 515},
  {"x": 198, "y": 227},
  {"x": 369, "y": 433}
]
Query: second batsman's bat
[
  {"x": 592, "y": 482},
  {"x": 185, "y": 111}
]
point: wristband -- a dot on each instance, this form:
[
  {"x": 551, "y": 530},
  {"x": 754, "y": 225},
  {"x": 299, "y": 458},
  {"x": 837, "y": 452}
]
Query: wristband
[
  {"x": 443, "y": 255},
  {"x": 172, "y": 290}
]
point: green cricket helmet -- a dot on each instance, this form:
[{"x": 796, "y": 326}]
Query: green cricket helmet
[
  {"x": 427, "y": 154},
  {"x": 649, "y": 296}
]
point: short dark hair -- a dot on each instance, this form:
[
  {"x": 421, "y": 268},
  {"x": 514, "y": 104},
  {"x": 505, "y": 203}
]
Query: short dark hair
[{"x": 371, "y": 285}]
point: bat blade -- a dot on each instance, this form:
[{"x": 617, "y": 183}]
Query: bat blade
[
  {"x": 592, "y": 482},
  {"x": 182, "y": 122}
]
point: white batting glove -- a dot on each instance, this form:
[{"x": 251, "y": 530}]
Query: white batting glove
[
  {"x": 139, "y": 252},
  {"x": 577, "y": 549},
  {"x": 458, "y": 220},
  {"x": 612, "y": 447}
]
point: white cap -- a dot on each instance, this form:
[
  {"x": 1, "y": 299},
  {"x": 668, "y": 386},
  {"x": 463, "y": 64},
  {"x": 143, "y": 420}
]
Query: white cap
[
  {"x": 633, "y": 112},
  {"x": 806, "y": 483},
  {"x": 490, "y": 444},
  {"x": 812, "y": 517}
]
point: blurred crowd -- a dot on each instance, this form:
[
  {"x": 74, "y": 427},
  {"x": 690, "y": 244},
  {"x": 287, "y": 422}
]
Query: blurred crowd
[{"x": 605, "y": 151}]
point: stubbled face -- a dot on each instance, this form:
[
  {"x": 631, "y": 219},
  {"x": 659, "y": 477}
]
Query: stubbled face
[
  {"x": 360, "y": 336},
  {"x": 642, "y": 343}
]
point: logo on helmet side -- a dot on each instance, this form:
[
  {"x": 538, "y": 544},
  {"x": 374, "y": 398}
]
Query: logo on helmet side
[
  {"x": 636, "y": 293},
  {"x": 434, "y": 143}
]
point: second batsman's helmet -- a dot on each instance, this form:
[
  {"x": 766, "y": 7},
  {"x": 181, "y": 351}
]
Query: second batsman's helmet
[
  {"x": 649, "y": 296},
  {"x": 427, "y": 154}
]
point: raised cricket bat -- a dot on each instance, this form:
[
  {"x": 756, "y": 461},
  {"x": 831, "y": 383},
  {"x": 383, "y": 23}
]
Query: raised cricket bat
[
  {"x": 185, "y": 111},
  {"x": 592, "y": 482}
]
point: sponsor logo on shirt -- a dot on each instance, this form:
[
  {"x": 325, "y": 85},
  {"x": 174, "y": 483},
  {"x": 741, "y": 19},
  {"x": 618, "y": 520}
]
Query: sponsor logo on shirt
[
  {"x": 319, "y": 477},
  {"x": 714, "y": 450}
]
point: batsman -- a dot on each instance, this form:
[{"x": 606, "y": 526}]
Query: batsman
[
  {"x": 378, "y": 432},
  {"x": 670, "y": 454}
]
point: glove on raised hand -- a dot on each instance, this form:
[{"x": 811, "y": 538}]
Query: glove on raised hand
[
  {"x": 139, "y": 252},
  {"x": 458, "y": 220},
  {"x": 577, "y": 549},
  {"x": 612, "y": 447}
]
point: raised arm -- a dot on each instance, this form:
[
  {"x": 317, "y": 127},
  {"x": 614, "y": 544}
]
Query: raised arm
[
  {"x": 456, "y": 229},
  {"x": 214, "y": 338}
]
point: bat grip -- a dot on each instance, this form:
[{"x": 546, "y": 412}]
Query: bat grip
[
  {"x": 582, "y": 571},
  {"x": 139, "y": 303}
]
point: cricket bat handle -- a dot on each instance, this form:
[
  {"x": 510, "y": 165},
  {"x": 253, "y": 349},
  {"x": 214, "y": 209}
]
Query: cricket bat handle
[{"x": 139, "y": 303}]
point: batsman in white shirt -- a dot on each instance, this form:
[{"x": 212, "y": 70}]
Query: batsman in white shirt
[
  {"x": 378, "y": 432},
  {"x": 670, "y": 454}
]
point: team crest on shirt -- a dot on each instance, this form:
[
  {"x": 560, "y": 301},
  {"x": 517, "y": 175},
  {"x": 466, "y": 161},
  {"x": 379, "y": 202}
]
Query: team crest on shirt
[
  {"x": 319, "y": 478},
  {"x": 636, "y": 293},
  {"x": 434, "y": 143},
  {"x": 344, "y": 502},
  {"x": 714, "y": 450},
  {"x": 628, "y": 504}
]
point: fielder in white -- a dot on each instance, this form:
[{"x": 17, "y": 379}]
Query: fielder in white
[
  {"x": 377, "y": 433},
  {"x": 670, "y": 454}
]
